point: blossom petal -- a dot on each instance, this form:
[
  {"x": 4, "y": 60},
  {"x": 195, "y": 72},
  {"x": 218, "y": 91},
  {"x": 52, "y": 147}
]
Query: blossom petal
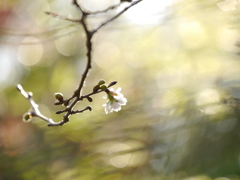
[
  {"x": 115, "y": 102},
  {"x": 106, "y": 110},
  {"x": 118, "y": 90}
]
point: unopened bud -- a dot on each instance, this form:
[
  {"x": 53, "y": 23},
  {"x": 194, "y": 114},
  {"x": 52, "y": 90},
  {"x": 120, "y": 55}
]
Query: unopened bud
[
  {"x": 112, "y": 83},
  {"x": 59, "y": 96},
  {"x": 96, "y": 88},
  {"x": 89, "y": 108},
  {"x": 103, "y": 87},
  {"x": 89, "y": 99},
  {"x": 66, "y": 103},
  {"x": 27, "y": 117},
  {"x": 101, "y": 82}
]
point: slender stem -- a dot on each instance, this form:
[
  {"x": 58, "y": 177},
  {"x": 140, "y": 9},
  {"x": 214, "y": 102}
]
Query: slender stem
[
  {"x": 103, "y": 11},
  {"x": 89, "y": 35},
  {"x": 62, "y": 17},
  {"x": 35, "y": 112},
  {"x": 116, "y": 16}
]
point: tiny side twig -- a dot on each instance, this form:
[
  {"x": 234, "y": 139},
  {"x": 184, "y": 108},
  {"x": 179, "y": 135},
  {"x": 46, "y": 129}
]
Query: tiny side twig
[
  {"x": 35, "y": 110},
  {"x": 116, "y": 16}
]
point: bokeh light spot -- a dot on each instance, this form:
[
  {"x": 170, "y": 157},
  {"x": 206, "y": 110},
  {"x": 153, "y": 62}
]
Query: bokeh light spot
[
  {"x": 120, "y": 161},
  {"x": 106, "y": 55},
  {"x": 36, "y": 9},
  {"x": 167, "y": 100},
  {"x": 222, "y": 178},
  {"x": 208, "y": 101},
  {"x": 69, "y": 41},
  {"x": 133, "y": 49},
  {"x": 169, "y": 77},
  {"x": 193, "y": 34},
  {"x": 228, "y": 38},
  {"x": 227, "y": 5},
  {"x": 30, "y": 52}
]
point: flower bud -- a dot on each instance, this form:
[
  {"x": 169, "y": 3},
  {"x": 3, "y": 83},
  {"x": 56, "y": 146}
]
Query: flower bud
[
  {"x": 96, "y": 88},
  {"x": 101, "y": 82},
  {"x": 89, "y": 108},
  {"x": 103, "y": 87},
  {"x": 59, "y": 96},
  {"x": 112, "y": 83},
  {"x": 66, "y": 103},
  {"x": 27, "y": 117},
  {"x": 89, "y": 99}
]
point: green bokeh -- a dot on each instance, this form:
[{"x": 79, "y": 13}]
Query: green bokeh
[{"x": 174, "y": 73}]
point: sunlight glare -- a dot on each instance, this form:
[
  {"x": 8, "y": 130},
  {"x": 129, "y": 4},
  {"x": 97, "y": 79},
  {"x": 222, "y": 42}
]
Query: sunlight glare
[
  {"x": 148, "y": 12},
  {"x": 8, "y": 67},
  {"x": 208, "y": 101},
  {"x": 193, "y": 34}
]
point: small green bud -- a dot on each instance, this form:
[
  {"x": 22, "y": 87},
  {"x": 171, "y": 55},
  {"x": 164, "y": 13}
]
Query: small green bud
[
  {"x": 27, "y": 117},
  {"x": 103, "y": 87},
  {"x": 101, "y": 82},
  {"x": 59, "y": 96}
]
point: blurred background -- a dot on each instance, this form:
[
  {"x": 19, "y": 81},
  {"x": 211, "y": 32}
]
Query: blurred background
[{"x": 178, "y": 65}]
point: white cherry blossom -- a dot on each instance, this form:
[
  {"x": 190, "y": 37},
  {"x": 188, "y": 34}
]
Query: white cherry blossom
[{"x": 115, "y": 100}]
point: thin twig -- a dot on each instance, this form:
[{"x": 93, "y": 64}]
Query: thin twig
[
  {"x": 76, "y": 97},
  {"x": 89, "y": 35},
  {"x": 35, "y": 110},
  {"x": 61, "y": 17},
  {"x": 103, "y": 11},
  {"x": 116, "y": 16}
]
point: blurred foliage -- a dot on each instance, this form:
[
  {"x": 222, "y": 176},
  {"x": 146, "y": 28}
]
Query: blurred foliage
[{"x": 180, "y": 75}]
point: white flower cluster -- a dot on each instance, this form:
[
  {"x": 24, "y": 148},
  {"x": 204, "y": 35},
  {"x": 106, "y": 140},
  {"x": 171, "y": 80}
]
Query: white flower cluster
[{"x": 115, "y": 101}]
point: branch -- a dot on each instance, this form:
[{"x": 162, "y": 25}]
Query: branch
[
  {"x": 56, "y": 15},
  {"x": 76, "y": 97},
  {"x": 117, "y": 15},
  {"x": 89, "y": 35},
  {"x": 35, "y": 111},
  {"x": 103, "y": 11}
]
